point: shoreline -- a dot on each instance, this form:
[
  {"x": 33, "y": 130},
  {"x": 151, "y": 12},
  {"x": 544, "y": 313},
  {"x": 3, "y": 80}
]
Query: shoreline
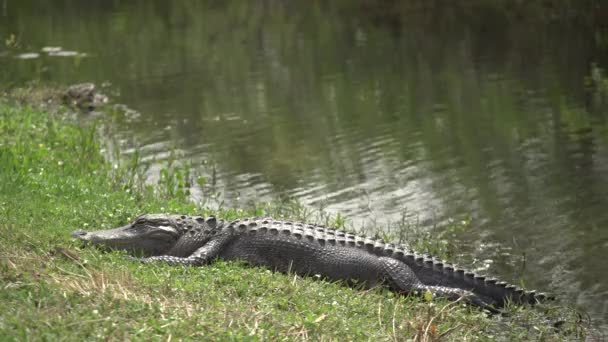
[{"x": 54, "y": 180}]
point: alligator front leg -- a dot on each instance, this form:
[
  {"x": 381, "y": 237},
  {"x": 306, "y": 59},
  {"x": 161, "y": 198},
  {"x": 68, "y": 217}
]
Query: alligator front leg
[
  {"x": 200, "y": 257},
  {"x": 403, "y": 279}
]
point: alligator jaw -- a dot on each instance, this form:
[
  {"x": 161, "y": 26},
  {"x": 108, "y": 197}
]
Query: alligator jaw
[
  {"x": 78, "y": 234},
  {"x": 113, "y": 238},
  {"x": 147, "y": 242}
]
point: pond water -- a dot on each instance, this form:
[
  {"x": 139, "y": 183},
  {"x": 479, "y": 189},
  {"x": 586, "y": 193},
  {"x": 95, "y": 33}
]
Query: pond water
[{"x": 380, "y": 111}]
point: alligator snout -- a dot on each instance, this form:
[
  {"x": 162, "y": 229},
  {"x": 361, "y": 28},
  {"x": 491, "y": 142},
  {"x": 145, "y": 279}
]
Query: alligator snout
[{"x": 78, "y": 233}]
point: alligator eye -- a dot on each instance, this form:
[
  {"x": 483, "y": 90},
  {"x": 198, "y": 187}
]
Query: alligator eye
[{"x": 137, "y": 226}]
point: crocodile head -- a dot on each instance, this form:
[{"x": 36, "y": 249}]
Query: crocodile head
[{"x": 148, "y": 234}]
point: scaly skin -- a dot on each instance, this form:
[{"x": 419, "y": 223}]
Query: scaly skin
[{"x": 305, "y": 249}]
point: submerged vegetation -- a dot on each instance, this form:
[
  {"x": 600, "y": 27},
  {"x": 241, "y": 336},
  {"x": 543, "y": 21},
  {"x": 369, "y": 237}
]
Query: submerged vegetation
[{"x": 54, "y": 179}]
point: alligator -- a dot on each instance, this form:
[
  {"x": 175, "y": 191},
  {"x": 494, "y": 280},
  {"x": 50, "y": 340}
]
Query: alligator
[{"x": 304, "y": 249}]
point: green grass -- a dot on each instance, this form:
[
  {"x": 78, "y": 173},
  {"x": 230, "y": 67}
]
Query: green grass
[{"x": 53, "y": 180}]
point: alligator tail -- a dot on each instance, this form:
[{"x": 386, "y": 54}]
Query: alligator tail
[{"x": 432, "y": 271}]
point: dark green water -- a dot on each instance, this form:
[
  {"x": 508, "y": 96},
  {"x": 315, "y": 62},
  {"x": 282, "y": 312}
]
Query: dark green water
[{"x": 377, "y": 110}]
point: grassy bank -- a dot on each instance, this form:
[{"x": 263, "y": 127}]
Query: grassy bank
[{"x": 53, "y": 180}]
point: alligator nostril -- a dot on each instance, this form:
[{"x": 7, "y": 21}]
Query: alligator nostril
[{"x": 79, "y": 233}]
